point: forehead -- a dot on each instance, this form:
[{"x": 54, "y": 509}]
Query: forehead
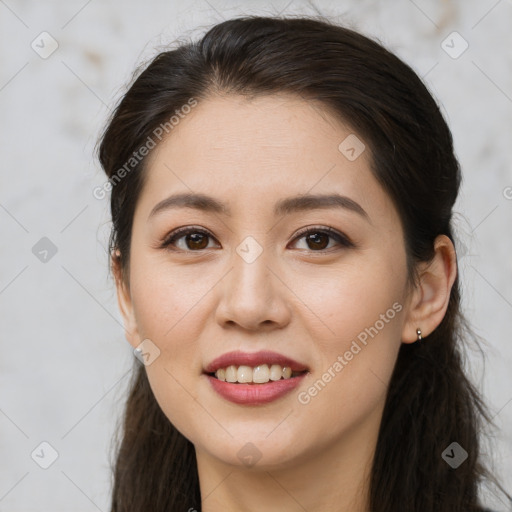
[{"x": 252, "y": 152}]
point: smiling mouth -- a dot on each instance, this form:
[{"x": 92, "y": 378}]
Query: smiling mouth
[{"x": 260, "y": 374}]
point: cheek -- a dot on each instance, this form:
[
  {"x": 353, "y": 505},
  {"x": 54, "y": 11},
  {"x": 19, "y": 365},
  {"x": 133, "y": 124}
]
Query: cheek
[
  {"x": 168, "y": 301},
  {"x": 357, "y": 333},
  {"x": 347, "y": 301},
  {"x": 171, "y": 310}
]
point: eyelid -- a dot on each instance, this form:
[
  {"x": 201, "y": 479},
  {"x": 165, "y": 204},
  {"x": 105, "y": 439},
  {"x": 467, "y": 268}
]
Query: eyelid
[
  {"x": 177, "y": 233},
  {"x": 341, "y": 239}
]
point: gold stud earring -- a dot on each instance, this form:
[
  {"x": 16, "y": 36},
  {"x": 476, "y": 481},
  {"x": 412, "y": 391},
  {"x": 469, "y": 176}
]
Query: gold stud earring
[{"x": 418, "y": 332}]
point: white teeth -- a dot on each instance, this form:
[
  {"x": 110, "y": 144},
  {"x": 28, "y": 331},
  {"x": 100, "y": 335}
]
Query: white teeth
[
  {"x": 231, "y": 374},
  {"x": 244, "y": 374},
  {"x": 261, "y": 374},
  {"x": 276, "y": 372},
  {"x": 287, "y": 372},
  {"x": 258, "y": 375}
]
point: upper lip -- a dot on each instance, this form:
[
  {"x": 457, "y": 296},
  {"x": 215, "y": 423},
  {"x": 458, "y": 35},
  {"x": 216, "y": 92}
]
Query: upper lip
[{"x": 238, "y": 358}]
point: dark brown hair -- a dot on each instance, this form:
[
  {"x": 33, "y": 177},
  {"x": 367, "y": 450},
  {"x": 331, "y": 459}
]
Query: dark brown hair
[{"x": 430, "y": 401}]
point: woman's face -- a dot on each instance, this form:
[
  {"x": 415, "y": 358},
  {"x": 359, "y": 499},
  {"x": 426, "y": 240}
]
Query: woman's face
[{"x": 246, "y": 279}]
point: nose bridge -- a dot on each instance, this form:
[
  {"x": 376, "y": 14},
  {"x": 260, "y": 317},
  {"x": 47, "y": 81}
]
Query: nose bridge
[
  {"x": 251, "y": 294},
  {"x": 251, "y": 272}
]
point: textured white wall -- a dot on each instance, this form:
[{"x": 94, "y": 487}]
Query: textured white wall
[{"x": 64, "y": 364}]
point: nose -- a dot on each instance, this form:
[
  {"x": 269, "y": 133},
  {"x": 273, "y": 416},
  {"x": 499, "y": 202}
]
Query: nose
[{"x": 253, "y": 296}]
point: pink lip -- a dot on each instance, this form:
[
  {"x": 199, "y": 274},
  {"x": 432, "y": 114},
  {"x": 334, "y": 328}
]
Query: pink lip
[
  {"x": 253, "y": 359},
  {"x": 254, "y": 394}
]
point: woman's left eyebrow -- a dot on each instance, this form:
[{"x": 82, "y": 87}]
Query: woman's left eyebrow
[{"x": 283, "y": 207}]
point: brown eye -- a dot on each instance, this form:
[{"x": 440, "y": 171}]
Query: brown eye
[
  {"x": 317, "y": 239},
  {"x": 194, "y": 239}
]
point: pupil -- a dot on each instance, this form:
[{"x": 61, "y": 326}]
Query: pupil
[
  {"x": 195, "y": 239},
  {"x": 315, "y": 239}
]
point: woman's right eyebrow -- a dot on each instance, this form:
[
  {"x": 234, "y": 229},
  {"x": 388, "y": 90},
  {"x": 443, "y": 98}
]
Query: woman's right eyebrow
[{"x": 283, "y": 207}]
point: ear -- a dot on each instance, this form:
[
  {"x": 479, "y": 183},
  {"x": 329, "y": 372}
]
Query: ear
[
  {"x": 124, "y": 300},
  {"x": 429, "y": 299}
]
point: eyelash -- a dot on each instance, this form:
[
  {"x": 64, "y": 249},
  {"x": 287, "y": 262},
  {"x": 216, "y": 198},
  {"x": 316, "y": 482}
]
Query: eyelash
[{"x": 181, "y": 232}]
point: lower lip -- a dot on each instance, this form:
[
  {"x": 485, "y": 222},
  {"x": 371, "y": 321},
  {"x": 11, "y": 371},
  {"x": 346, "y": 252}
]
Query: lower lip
[{"x": 254, "y": 394}]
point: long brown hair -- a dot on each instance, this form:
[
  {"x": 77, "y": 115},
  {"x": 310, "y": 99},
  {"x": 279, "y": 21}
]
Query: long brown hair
[{"x": 431, "y": 402}]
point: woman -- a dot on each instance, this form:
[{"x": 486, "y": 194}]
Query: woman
[{"x": 282, "y": 193}]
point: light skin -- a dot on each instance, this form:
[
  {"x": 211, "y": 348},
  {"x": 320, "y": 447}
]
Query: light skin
[{"x": 304, "y": 300}]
